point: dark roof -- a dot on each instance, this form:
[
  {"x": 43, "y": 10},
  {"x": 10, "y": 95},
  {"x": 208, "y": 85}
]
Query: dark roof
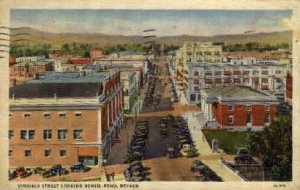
[{"x": 47, "y": 90}]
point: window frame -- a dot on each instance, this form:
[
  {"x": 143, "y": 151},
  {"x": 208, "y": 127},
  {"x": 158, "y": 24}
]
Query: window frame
[
  {"x": 64, "y": 131},
  {"x": 81, "y": 134},
  {"x": 29, "y": 151},
  {"x": 45, "y": 133},
  {"x": 47, "y": 151},
  {"x": 60, "y": 153}
]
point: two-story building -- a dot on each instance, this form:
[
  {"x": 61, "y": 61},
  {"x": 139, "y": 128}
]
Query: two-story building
[{"x": 238, "y": 107}]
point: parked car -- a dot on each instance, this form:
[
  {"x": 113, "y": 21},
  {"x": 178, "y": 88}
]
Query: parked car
[
  {"x": 12, "y": 175},
  {"x": 22, "y": 172},
  {"x": 58, "y": 170},
  {"x": 79, "y": 167},
  {"x": 244, "y": 160},
  {"x": 39, "y": 170},
  {"x": 196, "y": 164}
]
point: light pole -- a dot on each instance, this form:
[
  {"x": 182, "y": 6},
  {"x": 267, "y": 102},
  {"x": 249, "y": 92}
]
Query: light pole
[{"x": 104, "y": 169}]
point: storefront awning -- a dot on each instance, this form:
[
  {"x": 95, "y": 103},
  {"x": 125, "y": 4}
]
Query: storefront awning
[{"x": 87, "y": 151}]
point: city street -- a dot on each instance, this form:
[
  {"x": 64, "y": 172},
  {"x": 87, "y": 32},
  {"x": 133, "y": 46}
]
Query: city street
[{"x": 163, "y": 168}]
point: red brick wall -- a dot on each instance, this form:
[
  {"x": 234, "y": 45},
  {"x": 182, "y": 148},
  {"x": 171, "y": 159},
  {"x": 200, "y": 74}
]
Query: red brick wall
[
  {"x": 221, "y": 113},
  {"x": 289, "y": 86}
]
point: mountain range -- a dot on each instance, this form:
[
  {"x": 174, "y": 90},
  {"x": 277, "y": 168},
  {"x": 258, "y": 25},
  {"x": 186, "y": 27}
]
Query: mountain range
[{"x": 34, "y": 36}]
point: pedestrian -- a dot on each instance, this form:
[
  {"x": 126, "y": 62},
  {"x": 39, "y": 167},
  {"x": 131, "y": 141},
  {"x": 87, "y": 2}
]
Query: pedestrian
[
  {"x": 203, "y": 138},
  {"x": 113, "y": 176}
]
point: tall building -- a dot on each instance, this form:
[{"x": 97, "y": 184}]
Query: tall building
[
  {"x": 266, "y": 76},
  {"x": 63, "y": 118},
  {"x": 195, "y": 52}
]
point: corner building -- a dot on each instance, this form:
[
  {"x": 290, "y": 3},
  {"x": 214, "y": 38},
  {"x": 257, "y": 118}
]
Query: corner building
[{"x": 63, "y": 118}]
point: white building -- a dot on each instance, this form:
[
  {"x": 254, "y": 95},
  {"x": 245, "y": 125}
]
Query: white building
[{"x": 266, "y": 76}]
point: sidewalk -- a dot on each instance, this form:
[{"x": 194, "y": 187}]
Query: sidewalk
[{"x": 205, "y": 150}]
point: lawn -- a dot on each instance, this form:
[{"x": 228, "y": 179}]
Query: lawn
[{"x": 228, "y": 141}]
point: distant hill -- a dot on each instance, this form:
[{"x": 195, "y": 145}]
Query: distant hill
[{"x": 36, "y": 36}]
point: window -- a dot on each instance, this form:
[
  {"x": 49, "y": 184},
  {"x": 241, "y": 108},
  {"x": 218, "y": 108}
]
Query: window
[
  {"x": 27, "y": 115},
  {"x": 10, "y": 153},
  {"x": 196, "y": 73},
  {"x": 27, "y": 134},
  {"x": 248, "y": 118},
  {"x": 10, "y": 115},
  {"x": 246, "y": 72},
  {"x": 77, "y": 134},
  {"x": 196, "y": 81},
  {"x": 264, "y": 80},
  {"x": 78, "y": 114},
  {"x": 27, "y": 153},
  {"x": 265, "y": 72},
  {"x": 47, "y": 134},
  {"x": 62, "y": 153},
  {"x": 62, "y": 134},
  {"x": 267, "y": 118},
  {"x": 230, "y": 108},
  {"x": 267, "y": 107},
  {"x": 62, "y": 114},
  {"x": 196, "y": 88},
  {"x": 254, "y": 72},
  {"x": 246, "y": 80},
  {"x": 248, "y": 107},
  {"x": 31, "y": 134},
  {"x": 10, "y": 134},
  {"x": 193, "y": 97},
  {"x": 209, "y": 73},
  {"x": 277, "y": 72},
  {"x": 47, "y": 115},
  {"x": 47, "y": 153},
  {"x": 230, "y": 119}
]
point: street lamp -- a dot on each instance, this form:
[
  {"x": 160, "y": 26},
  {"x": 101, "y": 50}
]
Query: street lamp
[{"x": 104, "y": 168}]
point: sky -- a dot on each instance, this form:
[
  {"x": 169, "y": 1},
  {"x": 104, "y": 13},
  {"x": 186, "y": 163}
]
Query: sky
[{"x": 166, "y": 22}]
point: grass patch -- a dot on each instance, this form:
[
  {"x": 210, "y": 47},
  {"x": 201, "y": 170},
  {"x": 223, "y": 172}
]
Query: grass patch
[{"x": 228, "y": 141}]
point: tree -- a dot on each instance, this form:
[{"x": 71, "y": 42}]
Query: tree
[{"x": 274, "y": 146}]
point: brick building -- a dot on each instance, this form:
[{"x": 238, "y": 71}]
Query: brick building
[
  {"x": 19, "y": 73},
  {"x": 79, "y": 61},
  {"x": 267, "y": 76},
  {"x": 289, "y": 87},
  {"x": 238, "y": 107},
  {"x": 63, "y": 118},
  {"x": 96, "y": 53}
]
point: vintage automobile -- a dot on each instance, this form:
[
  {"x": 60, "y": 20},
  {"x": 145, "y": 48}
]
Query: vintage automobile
[
  {"x": 12, "y": 175},
  {"x": 58, "y": 170},
  {"x": 244, "y": 160},
  {"x": 79, "y": 167},
  {"x": 164, "y": 132},
  {"x": 39, "y": 170},
  {"x": 22, "y": 172},
  {"x": 196, "y": 164}
]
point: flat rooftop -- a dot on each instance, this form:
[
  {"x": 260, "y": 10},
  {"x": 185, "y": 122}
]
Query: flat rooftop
[{"x": 67, "y": 85}]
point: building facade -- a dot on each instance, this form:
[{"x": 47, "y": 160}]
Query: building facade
[
  {"x": 265, "y": 76},
  {"x": 130, "y": 90},
  {"x": 65, "y": 118},
  {"x": 96, "y": 53},
  {"x": 238, "y": 107},
  {"x": 20, "y": 73},
  {"x": 195, "y": 52}
]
